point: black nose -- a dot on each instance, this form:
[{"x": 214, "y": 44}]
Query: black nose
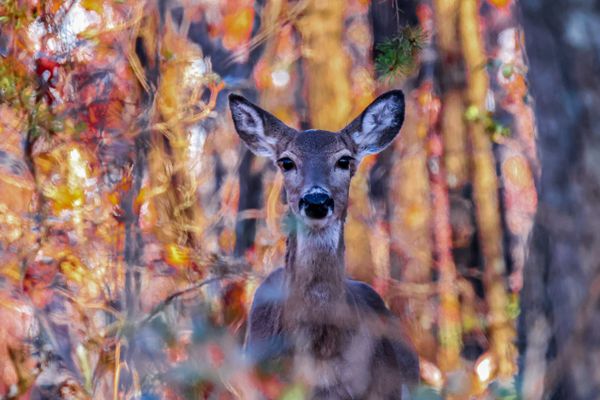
[{"x": 316, "y": 205}]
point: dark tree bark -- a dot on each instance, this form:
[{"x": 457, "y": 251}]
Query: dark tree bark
[
  {"x": 388, "y": 17},
  {"x": 560, "y": 320}
]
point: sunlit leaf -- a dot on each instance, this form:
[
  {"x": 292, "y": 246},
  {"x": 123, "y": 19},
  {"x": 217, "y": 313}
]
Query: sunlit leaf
[
  {"x": 431, "y": 374},
  {"x": 177, "y": 256},
  {"x": 500, "y": 3},
  {"x": 485, "y": 368},
  {"x": 237, "y": 27},
  {"x": 93, "y": 5}
]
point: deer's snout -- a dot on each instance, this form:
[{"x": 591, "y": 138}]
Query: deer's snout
[{"x": 316, "y": 204}]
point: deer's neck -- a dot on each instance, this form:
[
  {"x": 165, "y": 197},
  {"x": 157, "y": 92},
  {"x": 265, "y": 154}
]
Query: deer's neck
[
  {"x": 315, "y": 265},
  {"x": 315, "y": 308}
]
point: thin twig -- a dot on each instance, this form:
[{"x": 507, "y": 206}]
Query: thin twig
[
  {"x": 121, "y": 325},
  {"x": 163, "y": 304},
  {"x": 117, "y": 371}
]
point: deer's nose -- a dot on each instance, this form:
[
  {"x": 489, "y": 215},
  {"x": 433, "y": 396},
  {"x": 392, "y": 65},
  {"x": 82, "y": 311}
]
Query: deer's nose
[{"x": 316, "y": 205}]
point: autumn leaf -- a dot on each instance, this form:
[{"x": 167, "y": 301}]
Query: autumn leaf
[
  {"x": 93, "y": 5},
  {"x": 500, "y": 3},
  {"x": 237, "y": 27},
  {"x": 177, "y": 256}
]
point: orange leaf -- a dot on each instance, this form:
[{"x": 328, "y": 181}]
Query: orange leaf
[
  {"x": 227, "y": 240},
  {"x": 500, "y": 3},
  {"x": 234, "y": 303},
  {"x": 238, "y": 27}
]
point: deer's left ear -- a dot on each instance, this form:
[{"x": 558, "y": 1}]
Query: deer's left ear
[{"x": 379, "y": 123}]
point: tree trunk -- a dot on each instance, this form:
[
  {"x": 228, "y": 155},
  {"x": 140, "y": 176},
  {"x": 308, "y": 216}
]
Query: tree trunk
[
  {"x": 560, "y": 323},
  {"x": 326, "y": 64},
  {"x": 485, "y": 189}
]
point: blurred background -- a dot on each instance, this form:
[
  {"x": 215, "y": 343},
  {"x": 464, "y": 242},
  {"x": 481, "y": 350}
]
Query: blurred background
[{"x": 135, "y": 227}]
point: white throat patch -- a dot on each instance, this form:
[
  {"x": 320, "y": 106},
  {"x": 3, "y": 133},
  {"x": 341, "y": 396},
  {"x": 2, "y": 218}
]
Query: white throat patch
[{"x": 319, "y": 240}]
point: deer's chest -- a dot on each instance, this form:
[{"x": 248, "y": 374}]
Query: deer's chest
[{"x": 331, "y": 360}]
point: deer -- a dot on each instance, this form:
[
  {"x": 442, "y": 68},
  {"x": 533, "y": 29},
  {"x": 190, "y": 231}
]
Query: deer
[{"x": 337, "y": 334}]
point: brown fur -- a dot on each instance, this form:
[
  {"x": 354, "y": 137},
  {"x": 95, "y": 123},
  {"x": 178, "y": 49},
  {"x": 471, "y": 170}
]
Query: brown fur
[{"x": 339, "y": 336}]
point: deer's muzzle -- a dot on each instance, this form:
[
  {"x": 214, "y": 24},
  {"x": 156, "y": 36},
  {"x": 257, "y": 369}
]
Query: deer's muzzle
[{"x": 316, "y": 205}]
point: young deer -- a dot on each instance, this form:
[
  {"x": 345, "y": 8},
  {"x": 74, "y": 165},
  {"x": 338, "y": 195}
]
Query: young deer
[{"x": 339, "y": 335}]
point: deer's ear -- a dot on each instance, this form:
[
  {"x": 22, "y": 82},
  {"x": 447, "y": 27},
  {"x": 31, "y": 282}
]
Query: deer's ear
[
  {"x": 257, "y": 128},
  {"x": 379, "y": 123}
]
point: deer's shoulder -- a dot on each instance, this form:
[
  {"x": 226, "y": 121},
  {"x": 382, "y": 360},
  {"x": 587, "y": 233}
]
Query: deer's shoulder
[
  {"x": 264, "y": 339},
  {"x": 365, "y": 297},
  {"x": 271, "y": 290}
]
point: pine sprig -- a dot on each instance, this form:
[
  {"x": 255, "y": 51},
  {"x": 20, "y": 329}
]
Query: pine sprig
[{"x": 397, "y": 56}]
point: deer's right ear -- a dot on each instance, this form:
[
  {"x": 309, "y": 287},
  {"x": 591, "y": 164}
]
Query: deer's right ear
[{"x": 259, "y": 129}]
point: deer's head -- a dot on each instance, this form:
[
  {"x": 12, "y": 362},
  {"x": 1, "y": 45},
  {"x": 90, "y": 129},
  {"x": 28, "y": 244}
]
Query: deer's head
[{"x": 317, "y": 165}]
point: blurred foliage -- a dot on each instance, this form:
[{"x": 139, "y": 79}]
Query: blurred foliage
[
  {"x": 494, "y": 128},
  {"x": 124, "y": 189}
]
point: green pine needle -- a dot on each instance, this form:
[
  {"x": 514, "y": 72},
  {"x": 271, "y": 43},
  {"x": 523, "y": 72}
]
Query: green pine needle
[{"x": 397, "y": 56}]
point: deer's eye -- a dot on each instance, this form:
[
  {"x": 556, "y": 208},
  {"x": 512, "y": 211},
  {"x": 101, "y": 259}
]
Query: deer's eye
[
  {"x": 286, "y": 164},
  {"x": 344, "y": 162}
]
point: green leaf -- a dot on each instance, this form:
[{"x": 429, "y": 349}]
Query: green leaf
[
  {"x": 513, "y": 308},
  {"x": 507, "y": 70},
  {"x": 472, "y": 113},
  {"x": 295, "y": 392}
]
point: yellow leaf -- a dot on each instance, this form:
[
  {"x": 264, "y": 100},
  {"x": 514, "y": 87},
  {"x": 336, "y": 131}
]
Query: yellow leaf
[
  {"x": 11, "y": 271},
  {"x": 64, "y": 197},
  {"x": 93, "y": 5},
  {"x": 72, "y": 269},
  {"x": 177, "y": 256}
]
